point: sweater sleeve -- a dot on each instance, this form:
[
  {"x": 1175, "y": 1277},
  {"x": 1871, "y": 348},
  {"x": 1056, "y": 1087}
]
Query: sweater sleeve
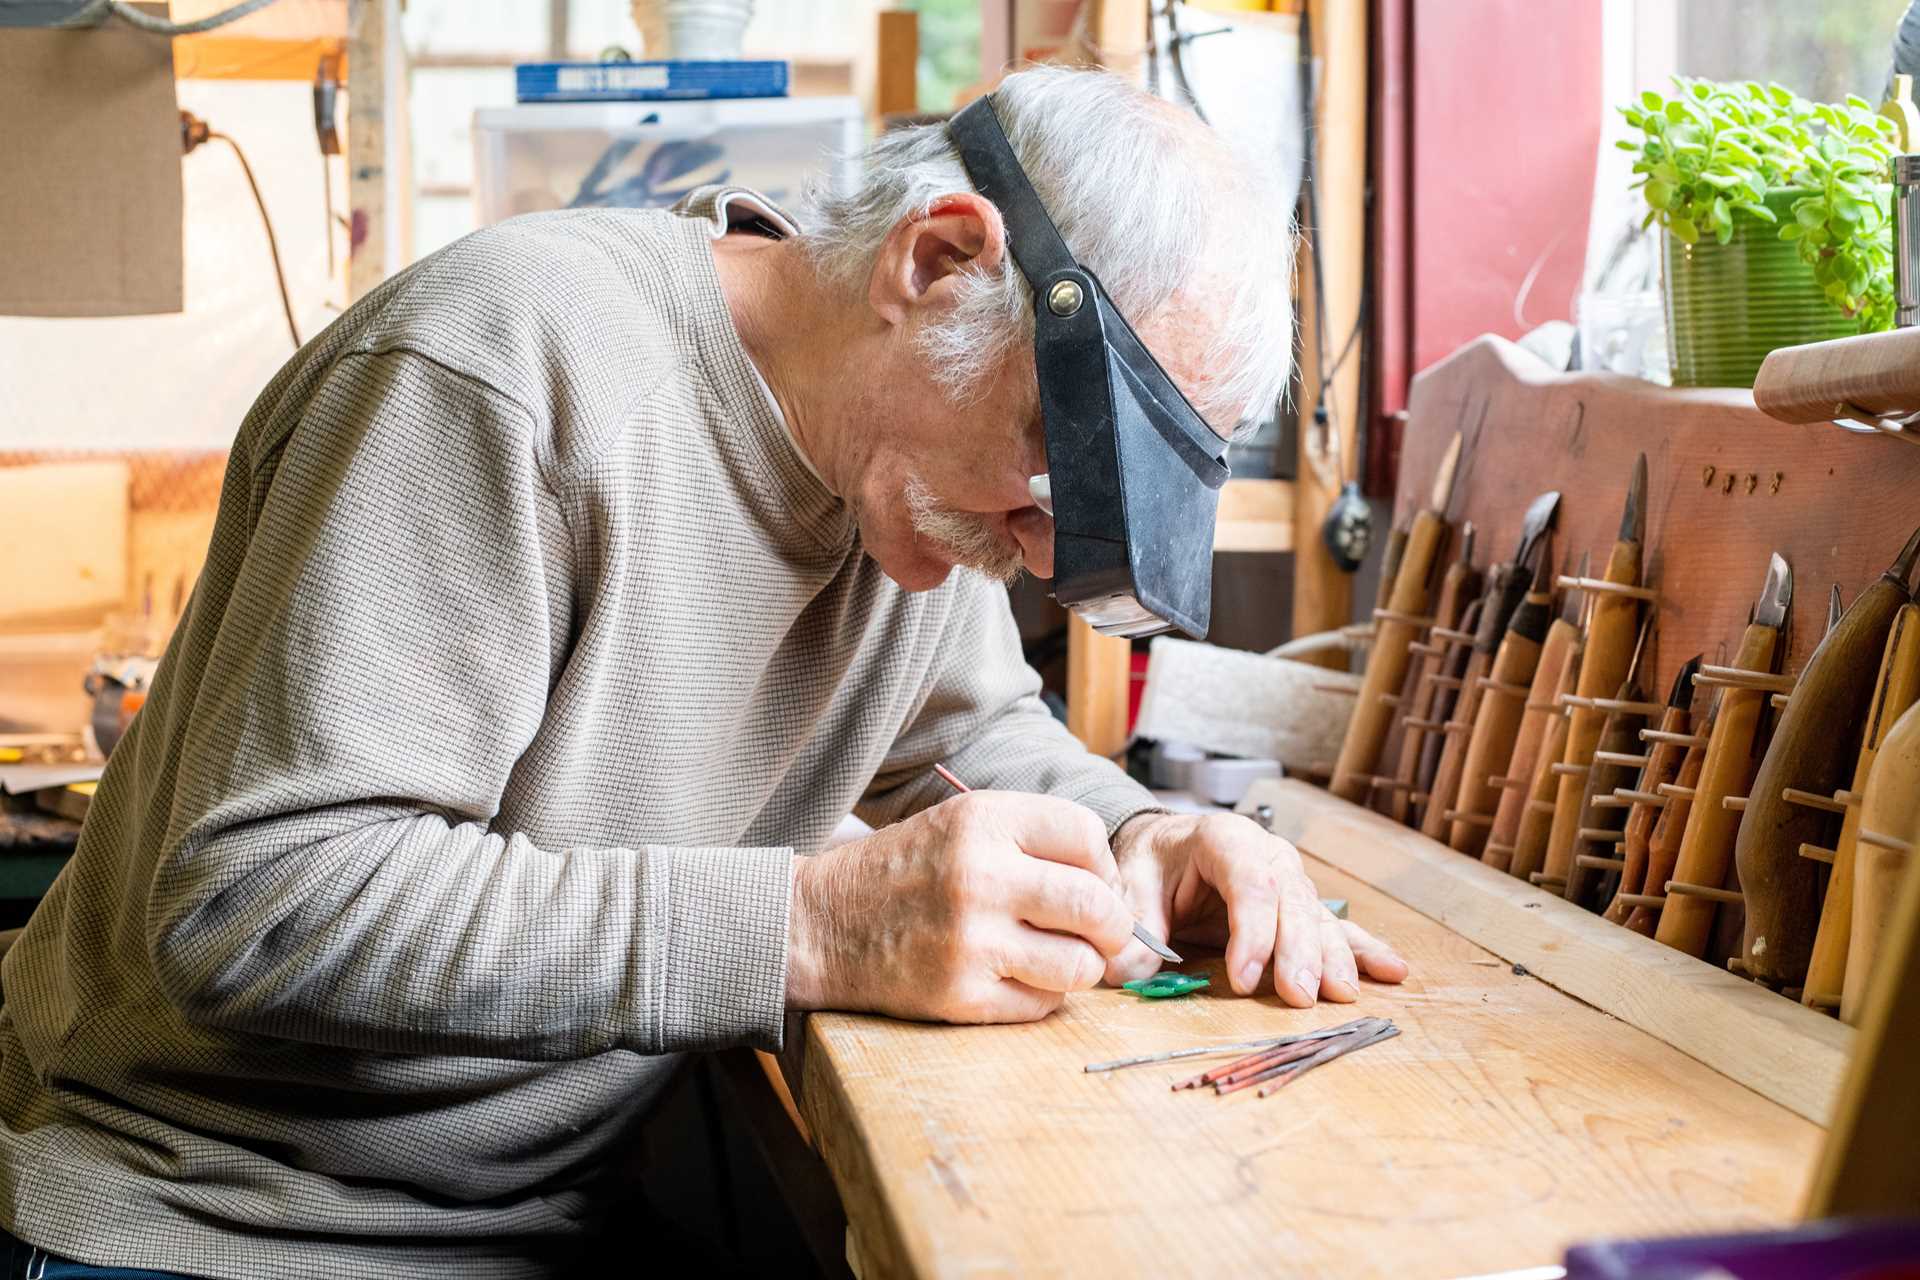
[
  {"x": 982, "y": 716},
  {"x": 387, "y": 614}
]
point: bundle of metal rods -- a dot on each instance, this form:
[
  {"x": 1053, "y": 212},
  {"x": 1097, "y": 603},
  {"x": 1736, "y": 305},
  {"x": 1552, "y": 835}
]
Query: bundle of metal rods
[{"x": 1271, "y": 1064}]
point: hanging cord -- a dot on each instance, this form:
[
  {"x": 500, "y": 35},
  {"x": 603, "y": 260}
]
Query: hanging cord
[
  {"x": 1330, "y": 458},
  {"x": 193, "y": 132},
  {"x": 100, "y": 9}
]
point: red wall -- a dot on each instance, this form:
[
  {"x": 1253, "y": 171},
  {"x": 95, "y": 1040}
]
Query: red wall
[{"x": 1486, "y": 125}]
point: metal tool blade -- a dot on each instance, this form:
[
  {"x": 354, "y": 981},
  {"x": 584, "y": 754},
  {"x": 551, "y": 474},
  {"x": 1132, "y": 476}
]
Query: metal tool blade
[
  {"x": 1154, "y": 944},
  {"x": 1682, "y": 692},
  {"x": 1633, "y": 517},
  {"x": 1776, "y": 596},
  {"x": 1902, "y": 568},
  {"x": 1534, "y": 525},
  {"x": 1834, "y": 608},
  {"x": 1573, "y": 602},
  {"x": 1467, "y": 532},
  {"x": 1442, "y": 494}
]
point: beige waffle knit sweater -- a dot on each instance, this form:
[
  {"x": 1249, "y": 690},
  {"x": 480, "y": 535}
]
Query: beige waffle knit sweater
[{"x": 526, "y": 652}]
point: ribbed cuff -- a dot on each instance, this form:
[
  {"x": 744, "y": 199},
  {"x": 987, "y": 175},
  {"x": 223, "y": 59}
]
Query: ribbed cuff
[
  {"x": 1115, "y": 803},
  {"x": 722, "y": 978}
]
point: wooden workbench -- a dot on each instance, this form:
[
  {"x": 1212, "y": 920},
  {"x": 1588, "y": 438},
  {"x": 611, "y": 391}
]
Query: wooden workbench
[{"x": 1505, "y": 1122}]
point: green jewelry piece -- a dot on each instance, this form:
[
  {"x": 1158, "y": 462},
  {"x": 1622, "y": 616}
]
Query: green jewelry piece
[{"x": 1165, "y": 986}]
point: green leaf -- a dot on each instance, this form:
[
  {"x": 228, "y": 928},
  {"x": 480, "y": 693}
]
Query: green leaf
[
  {"x": 1859, "y": 103},
  {"x": 1810, "y": 212},
  {"x": 1684, "y": 228},
  {"x": 1659, "y": 194},
  {"x": 1763, "y": 213},
  {"x": 1627, "y": 144},
  {"x": 1651, "y": 100},
  {"x": 1792, "y": 231}
]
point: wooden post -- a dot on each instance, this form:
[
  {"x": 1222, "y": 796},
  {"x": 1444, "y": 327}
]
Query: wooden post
[
  {"x": 1322, "y": 594},
  {"x": 377, "y": 167},
  {"x": 1097, "y": 683},
  {"x": 896, "y": 90}
]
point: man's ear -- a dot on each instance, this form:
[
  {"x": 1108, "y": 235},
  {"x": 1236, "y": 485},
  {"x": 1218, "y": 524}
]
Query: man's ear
[{"x": 919, "y": 261}]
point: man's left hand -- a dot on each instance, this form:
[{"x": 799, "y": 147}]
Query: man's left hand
[{"x": 1220, "y": 880}]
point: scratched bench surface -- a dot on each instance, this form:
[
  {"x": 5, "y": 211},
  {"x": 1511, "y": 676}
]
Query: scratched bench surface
[{"x": 1505, "y": 1122}]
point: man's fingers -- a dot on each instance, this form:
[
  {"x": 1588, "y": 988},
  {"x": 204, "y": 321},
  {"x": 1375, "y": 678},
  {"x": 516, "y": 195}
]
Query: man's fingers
[
  {"x": 1339, "y": 977},
  {"x": 1072, "y": 901},
  {"x": 1050, "y": 962},
  {"x": 1376, "y": 959},
  {"x": 1251, "y": 887},
  {"x": 1045, "y": 827}
]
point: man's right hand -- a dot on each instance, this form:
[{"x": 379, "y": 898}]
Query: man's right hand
[{"x": 984, "y": 908}]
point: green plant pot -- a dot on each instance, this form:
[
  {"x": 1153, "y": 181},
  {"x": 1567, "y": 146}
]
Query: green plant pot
[{"x": 1729, "y": 304}]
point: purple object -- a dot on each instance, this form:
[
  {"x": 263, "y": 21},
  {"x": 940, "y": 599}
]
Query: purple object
[{"x": 1836, "y": 1249}]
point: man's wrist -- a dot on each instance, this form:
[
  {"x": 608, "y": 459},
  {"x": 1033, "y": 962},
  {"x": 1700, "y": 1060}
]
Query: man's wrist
[{"x": 808, "y": 921}]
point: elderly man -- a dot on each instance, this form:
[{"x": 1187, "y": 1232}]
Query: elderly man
[{"x": 564, "y": 593}]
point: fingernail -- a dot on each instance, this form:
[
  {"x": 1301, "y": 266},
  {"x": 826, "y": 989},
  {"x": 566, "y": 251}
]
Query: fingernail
[
  {"x": 1342, "y": 990},
  {"x": 1250, "y": 974},
  {"x": 1309, "y": 982}
]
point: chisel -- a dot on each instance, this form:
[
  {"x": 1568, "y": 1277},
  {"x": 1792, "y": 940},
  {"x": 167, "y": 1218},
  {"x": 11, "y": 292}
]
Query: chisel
[
  {"x": 1665, "y": 752},
  {"x": 1791, "y": 808},
  {"x": 1663, "y": 850},
  {"x": 1896, "y": 689},
  {"x": 1562, "y": 637},
  {"x": 1395, "y": 629},
  {"x": 1496, "y": 722},
  {"x": 1459, "y": 587},
  {"x": 1536, "y": 822},
  {"x": 1591, "y": 877},
  {"x": 1506, "y": 589},
  {"x": 1706, "y": 847},
  {"x": 1610, "y": 634},
  {"x": 1446, "y": 690},
  {"x": 1889, "y": 826}
]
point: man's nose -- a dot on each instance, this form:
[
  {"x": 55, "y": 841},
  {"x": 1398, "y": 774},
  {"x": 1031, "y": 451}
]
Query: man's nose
[{"x": 1032, "y": 528}]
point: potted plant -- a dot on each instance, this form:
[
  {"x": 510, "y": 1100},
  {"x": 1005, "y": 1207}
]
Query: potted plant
[{"x": 1778, "y": 227}]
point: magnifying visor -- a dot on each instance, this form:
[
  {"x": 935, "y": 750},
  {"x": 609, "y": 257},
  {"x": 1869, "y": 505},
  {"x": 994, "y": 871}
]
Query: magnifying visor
[{"x": 1133, "y": 472}]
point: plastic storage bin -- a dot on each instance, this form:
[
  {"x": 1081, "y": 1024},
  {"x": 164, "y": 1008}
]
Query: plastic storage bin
[{"x": 541, "y": 156}]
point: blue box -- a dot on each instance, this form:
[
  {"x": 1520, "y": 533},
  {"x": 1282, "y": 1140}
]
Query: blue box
[{"x": 649, "y": 81}]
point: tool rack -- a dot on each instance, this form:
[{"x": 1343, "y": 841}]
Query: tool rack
[{"x": 1728, "y": 484}]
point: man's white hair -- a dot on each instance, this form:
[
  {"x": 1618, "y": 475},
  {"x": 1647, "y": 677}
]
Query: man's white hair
[{"x": 1158, "y": 206}]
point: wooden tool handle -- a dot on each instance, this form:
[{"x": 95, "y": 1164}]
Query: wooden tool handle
[
  {"x": 1530, "y": 841},
  {"x": 1813, "y": 751},
  {"x": 1890, "y": 806},
  {"x": 1896, "y": 689},
  {"x": 1610, "y": 639},
  {"x": 1875, "y": 372},
  {"x": 1663, "y": 765},
  {"x": 1586, "y": 885},
  {"x": 1387, "y": 660},
  {"x": 1663, "y": 851},
  {"x": 1547, "y": 674},
  {"x": 1459, "y": 586},
  {"x": 1439, "y": 677},
  {"x": 1496, "y": 726},
  {"x": 1445, "y": 789},
  {"x": 1706, "y": 848}
]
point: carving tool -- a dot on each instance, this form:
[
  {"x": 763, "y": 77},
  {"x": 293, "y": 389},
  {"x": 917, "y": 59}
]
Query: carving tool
[
  {"x": 1563, "y": 637},
  {"x": 1140, "y": 931},
  {"x": 1616, "y": 760},
  {"x": 1396, "y": 627},
  {"x": 1506, "y": 588},
  {"x": 1446, "y": 694},
  {"x": 1260, "y": 1066},
  {"x": 1706, "y": 847},
  {"x": 1889, "y": 826},
  {"x": 1459, "y": 585},
  {"x": 1611, "y": 625},
  {"x": 1665, "y": 754},
  {"x": 1496, "y": 721},
  {"x": 1896, "y": 689},
  {"x": 1814, "y": 747},
  {"x": 1663, "y": 850},
  {"x": 1536, "y": 823}
]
